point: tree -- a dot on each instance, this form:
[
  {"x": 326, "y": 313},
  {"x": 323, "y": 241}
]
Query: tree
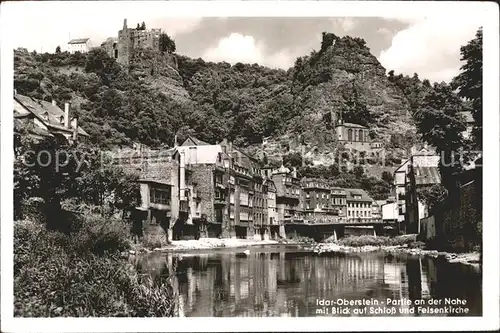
[
  {"x": 167, "y": 44},
  {"x": 439, "y": 122},
  {"x": 387, "y": 177},
  {"x": 143, "y": 26},
  {"x": 138, "y": 27},
  {"x": 470, "y": 82},
  {"x": 58, "y": 49},
  {"x": 431, "y": 195},
  {"x": 358, "y": 171},
  {"x": 51, "y": 169},
  {"x": 101, "y": 183},
  {"x": 292, "y": 160}
]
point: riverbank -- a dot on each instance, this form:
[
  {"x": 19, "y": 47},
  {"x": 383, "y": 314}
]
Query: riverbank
[
  {"x": 213, "y": 243},
  {"x": 406, "y": 244},
  {"x": 471, "y": 258}
]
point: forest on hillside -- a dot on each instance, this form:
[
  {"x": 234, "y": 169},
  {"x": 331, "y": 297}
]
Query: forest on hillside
[
  {"x": 153, "y": 102},
  {"x": 243, "y": 102}
]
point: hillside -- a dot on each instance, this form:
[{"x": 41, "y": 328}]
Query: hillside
[{"x": 163, "y": 95}]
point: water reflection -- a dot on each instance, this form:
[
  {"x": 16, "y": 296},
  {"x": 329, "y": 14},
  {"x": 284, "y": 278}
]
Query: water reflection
[{"x": 284, "y": 282}]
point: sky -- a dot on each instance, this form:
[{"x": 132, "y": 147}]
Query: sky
[{"x": 428, "y": 45}]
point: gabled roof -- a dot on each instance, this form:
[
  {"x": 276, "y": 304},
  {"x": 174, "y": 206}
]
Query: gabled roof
[
  {"x": 427, "y": 175},
  {"x": 35, "y": 130},
  {"x": 78, "y": 41},
  {"x": 49, "y": 114},
  {"x": 282, "y": 169},
  {"x": 352, "y": 192},
  {"x": 192, "y": 141},
  {"x": 351, "y": 125}
]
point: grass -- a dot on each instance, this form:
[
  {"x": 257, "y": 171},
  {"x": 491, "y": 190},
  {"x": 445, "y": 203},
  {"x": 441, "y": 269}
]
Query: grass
[{"x": 81, "y": 274}]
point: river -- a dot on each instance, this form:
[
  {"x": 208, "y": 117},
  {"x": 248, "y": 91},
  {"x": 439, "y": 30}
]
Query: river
[{"x": 284, "y": 281}]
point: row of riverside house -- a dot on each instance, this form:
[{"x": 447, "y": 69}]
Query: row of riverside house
[
  {"x": 200, "y": 189},
  {"x": 197, "y": 189}
]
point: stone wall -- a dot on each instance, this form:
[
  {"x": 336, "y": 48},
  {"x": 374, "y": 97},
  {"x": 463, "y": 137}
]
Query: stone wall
[{"x": 203, "y": 176}]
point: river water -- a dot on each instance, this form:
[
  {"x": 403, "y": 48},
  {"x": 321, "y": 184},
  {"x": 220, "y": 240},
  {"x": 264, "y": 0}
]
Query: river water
[{"x": 274, "y": 281}]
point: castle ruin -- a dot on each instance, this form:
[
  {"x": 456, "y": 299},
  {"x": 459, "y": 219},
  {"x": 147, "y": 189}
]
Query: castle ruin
[{"x": 130, "y": 39}]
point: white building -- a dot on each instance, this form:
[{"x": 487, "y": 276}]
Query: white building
[{"x": 79, "y": 45}]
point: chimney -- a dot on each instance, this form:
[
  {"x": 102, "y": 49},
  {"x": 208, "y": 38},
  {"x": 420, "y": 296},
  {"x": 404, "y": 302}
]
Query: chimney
[
  {"x": 230, "y": 146},
  {"x": 182, "y": 176},
  {"x": 124, "y": 24},
  {"x": 175, "y": 141},
  {"x": 66, "y": 115},
  {"x": 294, "y": 172},
  {"x": 54, "y": 102},
  {"x": 74, "y": 125}
]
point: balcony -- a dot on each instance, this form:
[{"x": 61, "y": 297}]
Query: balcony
[{"x": 219, "y": 201}]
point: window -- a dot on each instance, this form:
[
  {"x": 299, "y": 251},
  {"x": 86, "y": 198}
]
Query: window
[
  {"x": 244, "y": 198},
  {"x": 218, "y": 179},
  {"x": 231, "y": 197},
  {"x": 159, "y": 196},
  {"x": 219, "y": 195}
]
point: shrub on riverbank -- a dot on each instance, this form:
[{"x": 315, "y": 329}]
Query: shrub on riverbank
[
  {"x": 55, "y": 276},
  {"x": 154, "y": 241},
  {"x": 300, "y": 239},
  {"x": 366, "y": 240},
  {"x": 99, "y": 235}
]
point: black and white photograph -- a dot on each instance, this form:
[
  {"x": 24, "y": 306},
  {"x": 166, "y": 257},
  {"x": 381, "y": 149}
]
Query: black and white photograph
[{"x": 249, "y": 159}]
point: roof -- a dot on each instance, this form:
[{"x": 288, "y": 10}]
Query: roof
[
  {"x": 427, "y": 175},
  {"x": 78, "y": 41},
  {"x": 51, "y": 115},
  {"x": 380, "y": 202},
  {"x": 352, "y": 192},
  {"x": 351, "y": 125},
  {"x": 154, "y": 181},
  {"x": 35, "y": 130},
  {"x": 194, "y": 142},
  {"x": 282, "y": 169}
]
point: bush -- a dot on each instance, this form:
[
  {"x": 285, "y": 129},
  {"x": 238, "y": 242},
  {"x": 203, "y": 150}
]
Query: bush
[
  {"x": 100, "y": 235},
  {"x": 153, "y": 241},
  {"x": 302, "y": 239},
  {"x": 51, "y": 279},
  {"x": 366, "y": 240}
]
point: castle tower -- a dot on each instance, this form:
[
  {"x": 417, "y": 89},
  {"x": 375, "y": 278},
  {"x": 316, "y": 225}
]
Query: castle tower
[{"x": 124, "y": 45}]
